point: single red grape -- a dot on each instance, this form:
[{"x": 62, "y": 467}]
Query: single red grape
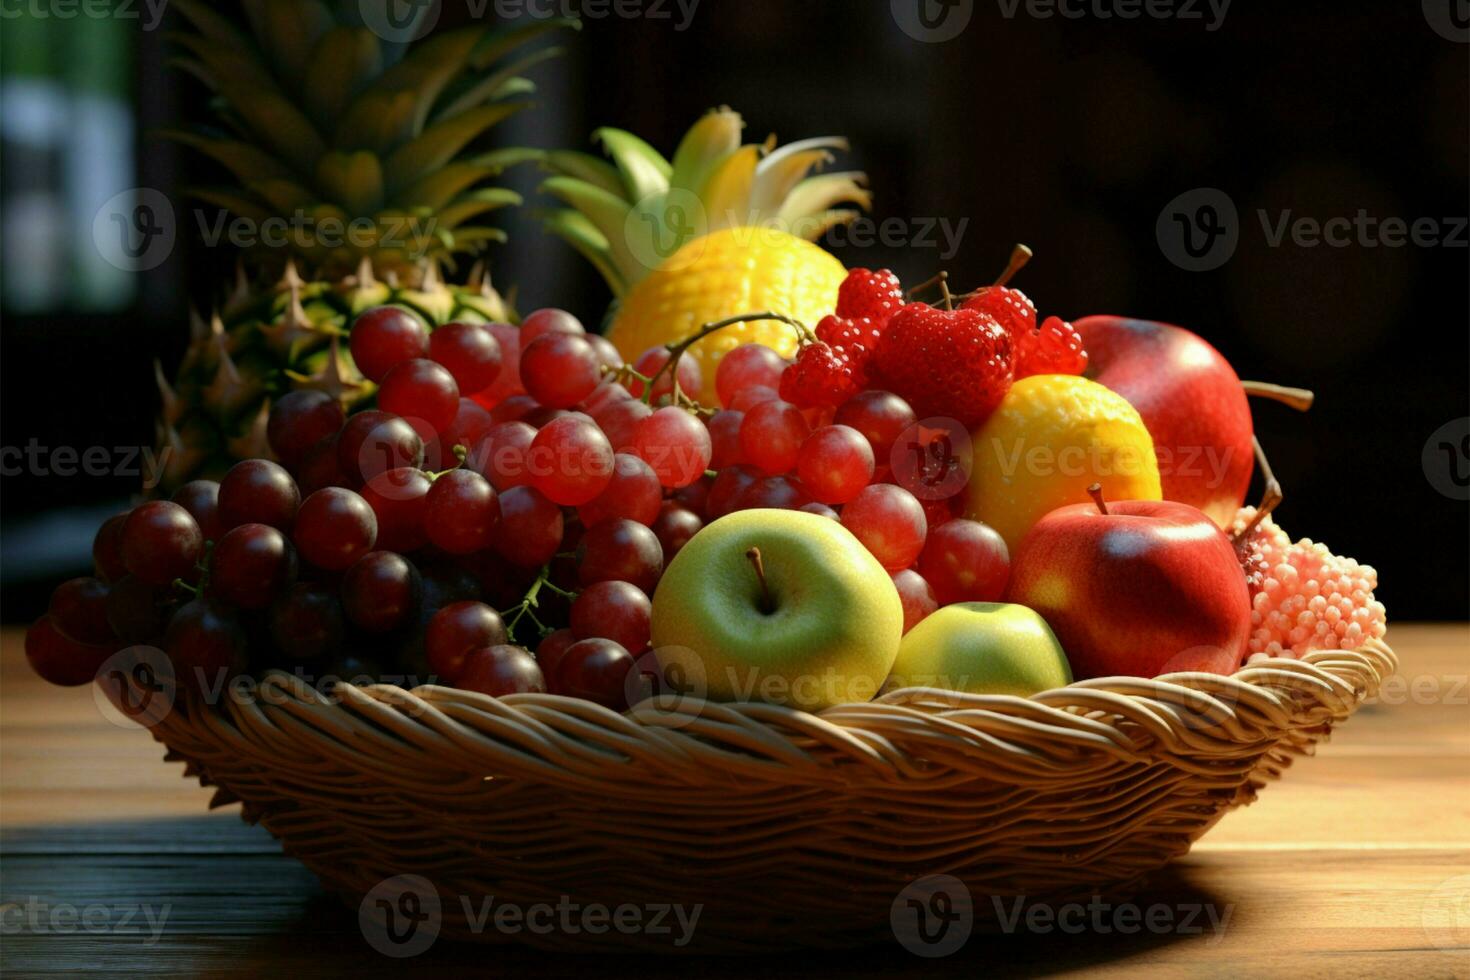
[
  {"x": 835, "y": 463},
  {"x": 571, "y": 461},
  {"x": 508, "y": 381},
  {"x": 307, "y": 623},
  {"x": 674, "y": 527},
  {"x": 397, "y": 497},
  {"x": 470, "y": 352},
  {"x": 633, "y": 493},
  {"x": 334, "y": 528},
  {"x": 691, "y": 382},
  {"x": 890, "y": 523},
  {"x": 422, "y": 392},
  {"x": 771, "y": 436},
  {"x": 620, "y": 420},
  {"x": 500, "y": 456},
  {"x": 201, "y": 499},
  {"x": 965, "y": 561},
  {"x": 729, "y": 486},
  {"x": 460, "y": 512},
  {"x": 546, "y": 321},
  {"x": 595, "y": 670},
  {"x": 724, "y": 439},
  {"x": 538, "y": 417},
  {"x": 251, "y": 565},
  {"x": 161, "y": 542},
  {"x": 607, "y": 353},
  {"x": 881, "y": 416},
  {"x": 513, "y": 409},
  {"x": 457, "y": 629},
  {"x": 500, "y": 670},
  {"x": 775, "y": 493},
  {"x": 617, "y": 611},
  {"x": 107, "y": 557},
  {"x": 620, "y": 550},
  {"x": 675, "y": 444},
  {"x": 549, "y": 654},
  {"x": 747, "y": 398},
  {"x": 471, "y": 422},
  {"x": 560, "y": 369},
  {"x": 374, "y": 442},
  {"x": 78, "y": 608},
  {"x": 821, "y": 510},
  {"x": 380, "y": 591},
  {"x": 748, "y": 366},
  {"x": 916, "y": 595},
  {"x": 58, "y": 659},
  {"x": 605, "y": 395},
  {"x": 301, "y": 419},
  {"x": 257, "y": 491},
  {"x": 530, "y": 528},
  {"x": 206, "y": 644},
  {"x": 384, "y": 337},
  {"x": 695, "y": 497}
]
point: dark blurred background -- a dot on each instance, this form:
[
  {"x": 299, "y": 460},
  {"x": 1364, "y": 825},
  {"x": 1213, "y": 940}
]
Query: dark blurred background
[{"x": 1070, "y": 133}]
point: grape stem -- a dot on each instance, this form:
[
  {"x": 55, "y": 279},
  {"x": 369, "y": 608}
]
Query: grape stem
[
  {"x": 1020, "y": 255},
  {"x": 938, "y": 278},
  {"x": 676, "y": 351},
  {"x": 531, "y": 600},
  {"x": 1270, "y": 496}
]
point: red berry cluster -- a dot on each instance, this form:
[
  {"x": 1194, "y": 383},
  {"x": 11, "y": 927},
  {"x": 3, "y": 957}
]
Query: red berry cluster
[{"x": 955, "y": 363}]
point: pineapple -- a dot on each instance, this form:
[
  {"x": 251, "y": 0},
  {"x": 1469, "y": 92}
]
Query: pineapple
[
  {"x": 724, "y": 229},
  {"x": 376, "y": 143}
]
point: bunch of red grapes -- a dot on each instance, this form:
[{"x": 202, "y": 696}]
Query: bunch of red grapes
[{"x": 500, "y": 519}]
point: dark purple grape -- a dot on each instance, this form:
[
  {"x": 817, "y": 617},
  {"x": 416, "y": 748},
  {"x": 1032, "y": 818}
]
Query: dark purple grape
[
  {"x": 301, "y": 419},
  {"x": 374, "y": 442},
  {"x": 79, "y": 610},
  {"x": 334, "y": 528},
  {"x": 500, "y": 670},
  {"x": 206, "y": 644},
  {"x": 161, "y": 542},
  {"x": 136, "y": 611},
  {"x": 251, "y": 565},
  {"x": 201, "y": 499},
  {"x": 307, "y": 623},
  {"x": 380, "y": 592},
  {"x": 620, "y": 550},
  {"x": 257, "y": 491},
  {"x": 107, "y": 557}
]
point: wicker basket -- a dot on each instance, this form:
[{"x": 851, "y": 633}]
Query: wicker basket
[{"x": 788, "y": 828}]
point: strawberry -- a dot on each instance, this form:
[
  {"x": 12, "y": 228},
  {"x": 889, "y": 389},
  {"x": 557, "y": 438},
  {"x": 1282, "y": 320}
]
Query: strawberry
[
  {"x": 822, "y": 375},
  {"x": 951, "y": 363},
  {"x": 1052, "y": 348},
  {"x": 865, "y": 293}
]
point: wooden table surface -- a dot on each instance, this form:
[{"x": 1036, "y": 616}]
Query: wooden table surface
[{"x": 1357, "y": 864}]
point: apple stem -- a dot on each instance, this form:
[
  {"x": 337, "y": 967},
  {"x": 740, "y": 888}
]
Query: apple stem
[
  {"x": 1020, "y": 255},
  {"x": 754, "y": 556},
  {"x": 1298, "y": 398},
  {"x": 1270, "y": 497},
  {"x": 1097, "y": 497}
]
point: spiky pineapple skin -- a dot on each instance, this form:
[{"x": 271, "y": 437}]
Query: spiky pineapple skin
[
  {"x": 722, "y": 274},
  {"x": 266, "y": 341}
]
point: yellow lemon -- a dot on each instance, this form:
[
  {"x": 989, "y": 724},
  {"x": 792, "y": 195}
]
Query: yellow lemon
[
  {"x": 1052, "y": 437},
  {"x": 714, "y": 276}
]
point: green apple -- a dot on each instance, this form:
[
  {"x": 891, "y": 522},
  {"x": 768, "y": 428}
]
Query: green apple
[
  {"x": 779, "y": 606},
  {"x": 982, "y": 648}
]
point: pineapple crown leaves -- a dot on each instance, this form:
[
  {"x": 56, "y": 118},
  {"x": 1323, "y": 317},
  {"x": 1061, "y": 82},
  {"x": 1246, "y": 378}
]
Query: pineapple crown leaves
[
  {"x": 378, "y": 139},
  {"x": 623, "y": 212}
]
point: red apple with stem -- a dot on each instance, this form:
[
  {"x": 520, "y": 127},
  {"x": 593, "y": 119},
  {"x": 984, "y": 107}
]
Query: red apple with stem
[
  {"x": 1135, "y": 587},
  {"x": 1192, "y": 402}
]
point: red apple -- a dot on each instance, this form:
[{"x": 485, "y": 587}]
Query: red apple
[
  {"x": 1135, "y": 587},
  {"x": 1191, "y": 401}
]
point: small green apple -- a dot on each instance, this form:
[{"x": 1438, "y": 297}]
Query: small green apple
[
  {"x": 982, "y": 648},
  {"x": 779, "y": 606}
]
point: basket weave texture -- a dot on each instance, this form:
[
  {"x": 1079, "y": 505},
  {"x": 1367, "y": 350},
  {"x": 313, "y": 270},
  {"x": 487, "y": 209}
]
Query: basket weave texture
[{"x": 789, "y": 828}]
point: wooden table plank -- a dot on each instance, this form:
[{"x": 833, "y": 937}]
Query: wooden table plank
[{"x": 1356, "y": 864}]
